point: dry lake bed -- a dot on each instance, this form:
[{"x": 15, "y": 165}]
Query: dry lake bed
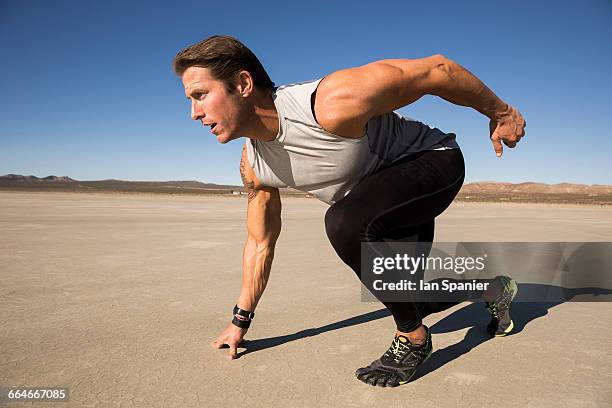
[{"x": 117, "y": 297}]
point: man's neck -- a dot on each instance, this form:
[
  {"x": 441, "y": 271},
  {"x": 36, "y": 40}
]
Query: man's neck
[{"x": 263, "y": 123}]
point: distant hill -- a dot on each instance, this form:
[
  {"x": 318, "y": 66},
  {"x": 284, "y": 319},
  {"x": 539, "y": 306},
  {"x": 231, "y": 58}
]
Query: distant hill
[
  {"x": 25, "y": 179},
  {"x": 563, "y": 193},
  {"x": 487, "y": 191},
  {"x": 536, "y": 188},
  {"x": 62, "y": 183}
]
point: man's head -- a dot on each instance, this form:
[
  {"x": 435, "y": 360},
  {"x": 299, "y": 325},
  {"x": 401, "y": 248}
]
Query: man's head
[
  {"x": 219, "y": 74},
  {"x": 225, "y": 57}
]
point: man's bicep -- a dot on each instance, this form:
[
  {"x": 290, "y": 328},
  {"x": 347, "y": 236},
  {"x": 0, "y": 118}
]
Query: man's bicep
[
  {"x": 379, "y": 87},
  {"x": 249, "y": 180},
  {"x": 393, "y": 84},
  {"x": 264, "y": 205},
  {"x": 264, "y": 216}
]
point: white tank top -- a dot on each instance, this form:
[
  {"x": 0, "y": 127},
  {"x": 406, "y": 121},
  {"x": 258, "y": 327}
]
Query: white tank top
[{"x": 306, "y": 157}]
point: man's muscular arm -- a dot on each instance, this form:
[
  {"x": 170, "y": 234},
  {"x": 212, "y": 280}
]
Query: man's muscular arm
[
  {"x": 263, "y": 229},
  {"x": 347, "y": 99}
]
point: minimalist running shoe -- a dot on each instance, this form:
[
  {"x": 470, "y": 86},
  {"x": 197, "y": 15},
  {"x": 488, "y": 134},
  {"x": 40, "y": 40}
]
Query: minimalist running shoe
[
  {"x": 398, "y": 364},
  {"x": 501, "y": 323}
]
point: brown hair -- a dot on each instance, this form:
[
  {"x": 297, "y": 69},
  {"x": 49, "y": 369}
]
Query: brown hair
[{"x": 225, "y": 57}]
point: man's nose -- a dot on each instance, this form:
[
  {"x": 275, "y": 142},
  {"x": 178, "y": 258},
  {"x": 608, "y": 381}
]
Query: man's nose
[{"x": 196, "y": 112}]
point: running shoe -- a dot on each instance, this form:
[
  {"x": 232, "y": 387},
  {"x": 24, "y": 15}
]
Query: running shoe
[
  {"x": 398, "y": 364},
  {"x": 501, "y": 323}
]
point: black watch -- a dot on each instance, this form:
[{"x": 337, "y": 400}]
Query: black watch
[
  {"x": 244, "y": 313},
  {"x": 243, "y": 324}
]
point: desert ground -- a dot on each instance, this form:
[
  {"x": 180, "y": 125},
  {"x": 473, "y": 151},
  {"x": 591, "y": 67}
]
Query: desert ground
[{"x": 118, "y": 296}]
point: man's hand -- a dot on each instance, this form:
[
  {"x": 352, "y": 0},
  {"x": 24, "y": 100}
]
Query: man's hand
[
  {"x": 232, "y": 336},
  {"x": 509, "y": 127}
]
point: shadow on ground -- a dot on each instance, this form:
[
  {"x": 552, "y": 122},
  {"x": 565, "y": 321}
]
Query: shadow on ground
[{"x": 473, "y": 316}]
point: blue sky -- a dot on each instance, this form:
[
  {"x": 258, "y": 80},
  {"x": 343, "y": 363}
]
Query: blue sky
[{"x": 87, "y": 89}]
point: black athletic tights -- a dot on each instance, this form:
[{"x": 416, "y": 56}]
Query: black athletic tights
[{"x": 399, "y": 203}]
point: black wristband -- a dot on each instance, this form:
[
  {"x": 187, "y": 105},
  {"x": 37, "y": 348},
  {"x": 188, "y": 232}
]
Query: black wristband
[
  {"x": 243, "y": 324},
  {"x": 243, "y": 313}
]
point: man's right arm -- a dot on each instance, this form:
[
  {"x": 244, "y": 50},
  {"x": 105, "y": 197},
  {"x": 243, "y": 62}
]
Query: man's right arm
[{"x": 263, "y": 229}]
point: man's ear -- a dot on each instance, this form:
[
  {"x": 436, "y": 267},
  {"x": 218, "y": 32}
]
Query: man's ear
[{"x": 245, "y": 84}]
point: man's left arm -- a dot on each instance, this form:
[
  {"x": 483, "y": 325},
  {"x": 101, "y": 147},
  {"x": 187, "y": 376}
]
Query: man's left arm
[{"x": 351, "y": 97}]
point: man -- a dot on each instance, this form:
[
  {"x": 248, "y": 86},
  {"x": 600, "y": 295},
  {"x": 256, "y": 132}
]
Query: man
[{"x": 384, "y": 176}]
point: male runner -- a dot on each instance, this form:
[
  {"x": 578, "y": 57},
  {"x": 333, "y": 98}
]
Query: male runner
[{"x": 384, "y": 176}]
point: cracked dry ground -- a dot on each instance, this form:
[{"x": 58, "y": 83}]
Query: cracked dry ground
[{"x": 118, "y": 296}]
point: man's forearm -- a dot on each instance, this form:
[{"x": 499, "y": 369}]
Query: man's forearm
[
  {"x": 256, "y": 265},
  {"x": 459, "y": 86}
]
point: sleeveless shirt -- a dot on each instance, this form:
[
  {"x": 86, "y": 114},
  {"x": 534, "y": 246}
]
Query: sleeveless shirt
[{"x": 306, "y": 157}]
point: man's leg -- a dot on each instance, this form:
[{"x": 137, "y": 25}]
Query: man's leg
[
  {"x": 398, "y": 204},
  {"x": 401, "y": 200}
]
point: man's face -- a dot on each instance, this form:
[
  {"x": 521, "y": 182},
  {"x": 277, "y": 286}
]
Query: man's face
[{"x": 212, "y": 104}]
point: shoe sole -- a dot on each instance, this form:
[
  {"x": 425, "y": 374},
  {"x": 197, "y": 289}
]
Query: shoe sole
[{"x": 507, "y": 331}]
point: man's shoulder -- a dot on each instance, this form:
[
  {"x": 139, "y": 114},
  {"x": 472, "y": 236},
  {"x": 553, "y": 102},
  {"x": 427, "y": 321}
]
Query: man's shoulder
[
  {"x": 297, "y": 85},
  {"x": 294, "y": 101}
]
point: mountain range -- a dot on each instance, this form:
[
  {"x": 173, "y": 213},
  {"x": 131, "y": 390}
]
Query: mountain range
[{"x": 489, "y": 191}]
